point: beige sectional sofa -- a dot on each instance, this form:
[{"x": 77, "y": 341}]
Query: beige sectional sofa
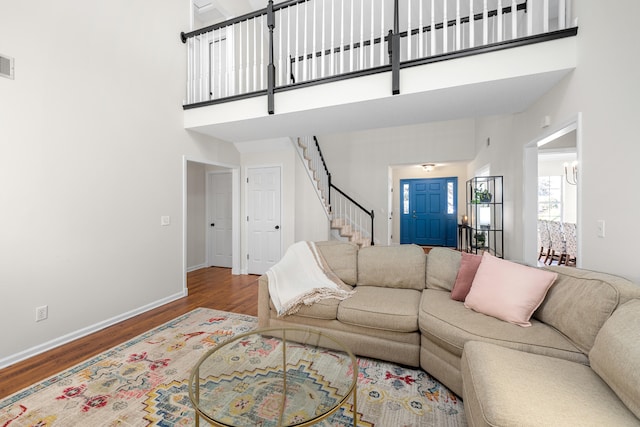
[{"x": 577, "y": 364}]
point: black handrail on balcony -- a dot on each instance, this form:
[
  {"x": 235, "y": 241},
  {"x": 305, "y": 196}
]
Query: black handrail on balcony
[
  {"x": 371, "y": 213},
  {"x": 392, "y": 39}
]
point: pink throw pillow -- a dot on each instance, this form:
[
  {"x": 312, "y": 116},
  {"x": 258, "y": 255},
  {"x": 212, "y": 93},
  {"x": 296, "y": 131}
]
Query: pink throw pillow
[
  {"x": 468, "y": 266},
  {"x": 508, "y": 291}
]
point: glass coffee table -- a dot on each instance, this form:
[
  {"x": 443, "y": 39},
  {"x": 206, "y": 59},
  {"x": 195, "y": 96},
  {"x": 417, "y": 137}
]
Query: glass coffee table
[{"x": 274, "y": 377}]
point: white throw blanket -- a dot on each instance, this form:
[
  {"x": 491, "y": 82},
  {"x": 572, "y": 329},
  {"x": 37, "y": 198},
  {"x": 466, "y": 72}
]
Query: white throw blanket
[{"x": 303, "y": 277}]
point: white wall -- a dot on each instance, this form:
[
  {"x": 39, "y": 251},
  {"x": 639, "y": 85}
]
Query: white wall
[
  {"x": 196, "y": 215},
  {"x": 91, "y": 156},
  {"x": 359, "y": 161},
  {"x": 495, "y": 148},
  {"x": 604, "y": 89}
]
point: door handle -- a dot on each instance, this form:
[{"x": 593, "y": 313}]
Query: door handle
[
  {"x": 277, "y": 227},
  {"x": 213, "y": 224}
]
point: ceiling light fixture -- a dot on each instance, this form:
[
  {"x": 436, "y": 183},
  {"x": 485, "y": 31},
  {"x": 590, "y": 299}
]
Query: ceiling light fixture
[{"x": 429, "y": 167}]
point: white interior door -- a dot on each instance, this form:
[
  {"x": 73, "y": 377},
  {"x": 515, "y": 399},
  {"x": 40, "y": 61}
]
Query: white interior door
[
  {"x": 219, "y": 219},
  {"x": 263, "y": 208}
]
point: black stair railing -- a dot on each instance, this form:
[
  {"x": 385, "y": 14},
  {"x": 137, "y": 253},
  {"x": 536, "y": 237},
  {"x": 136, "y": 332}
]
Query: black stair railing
[{"x": 343, "y": 205}]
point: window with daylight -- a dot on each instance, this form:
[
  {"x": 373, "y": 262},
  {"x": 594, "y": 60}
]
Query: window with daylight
[
  {"x": 550, "y": 198},
  {"x": 405, "y": 199},
  {"x": 450, "y": 202}
]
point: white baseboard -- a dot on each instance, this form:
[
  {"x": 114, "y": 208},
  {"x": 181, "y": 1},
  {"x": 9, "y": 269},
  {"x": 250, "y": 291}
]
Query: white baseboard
[
  {"x": 196, "y": 267},
  {"x": 49, "y": 345}
]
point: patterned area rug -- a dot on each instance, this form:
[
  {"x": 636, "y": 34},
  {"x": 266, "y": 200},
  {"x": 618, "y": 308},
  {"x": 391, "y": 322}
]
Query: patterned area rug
[{"x": 144, "y": 382}]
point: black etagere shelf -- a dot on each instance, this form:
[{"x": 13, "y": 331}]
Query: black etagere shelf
[{"x": 485, "y": 216}]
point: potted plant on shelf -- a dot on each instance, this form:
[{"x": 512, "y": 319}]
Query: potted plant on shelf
[
  {"x": 480, "y": 239},
  {"x": 481, "y": 195}
]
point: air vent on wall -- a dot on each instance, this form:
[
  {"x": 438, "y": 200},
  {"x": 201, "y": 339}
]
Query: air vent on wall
[{"x": 6, "y": 66}]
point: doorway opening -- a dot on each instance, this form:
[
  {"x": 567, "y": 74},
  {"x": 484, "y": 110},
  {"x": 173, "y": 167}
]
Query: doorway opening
[
  {"x": 196, "y": 209},
  {"x": 552, "y": 196}
]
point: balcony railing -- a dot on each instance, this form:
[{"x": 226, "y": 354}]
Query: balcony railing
[{"x": 300, "y": 42}]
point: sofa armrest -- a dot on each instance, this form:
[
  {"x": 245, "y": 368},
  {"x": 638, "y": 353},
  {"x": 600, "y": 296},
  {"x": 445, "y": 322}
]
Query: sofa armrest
[{"x": 263, "y": 302}]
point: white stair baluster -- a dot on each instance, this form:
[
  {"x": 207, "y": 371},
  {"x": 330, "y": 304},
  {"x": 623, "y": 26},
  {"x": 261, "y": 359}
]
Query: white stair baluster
[
  {"x": 562, "y": 14},
  {"x": 420, "y": 32},
  {"x": 297, "y": 52},
  {"x": 530, "y": 14},
  {"x": 472, "y": 22},
  {"x": 458, "y": 37},
  {"x": 248, "y": 63},
  {"x": 351, "y": 39},
  {"x": 332, "y": 60},
  {"x": 433, "y": 29},
  {"x": 190, "y": 70},
  {"x": 409, "y": 30},
  {"x": 255, "y": 54},
  {"x": 371, "y": 39},
  {"x": 305, "y": 61},
  {"x": 322, "y": 52},
  {"x": 240, "y": 63},
  {"x": 499, "y": 18},
  {"x": 445, "y": 29},
  {"x": 361, "y": 53},
  {"x": 383, "y": 33},
  {"x": 514, "y": 19},
  {"x": 545, "y": 16},
  {"x": 314, "y": 72},
  {"x": 485, "y": 24},
  {"x": 203, "y": 55}
]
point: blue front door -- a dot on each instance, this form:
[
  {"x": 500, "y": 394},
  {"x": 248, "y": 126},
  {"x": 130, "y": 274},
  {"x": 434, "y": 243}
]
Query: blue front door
[{"x": 428, "y": 211}]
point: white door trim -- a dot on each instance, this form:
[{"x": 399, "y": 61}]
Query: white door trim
[{"x": 235, "y": 209}]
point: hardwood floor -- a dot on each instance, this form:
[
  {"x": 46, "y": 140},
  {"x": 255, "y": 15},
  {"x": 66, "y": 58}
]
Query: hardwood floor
[{"x": 212, "y": 287}]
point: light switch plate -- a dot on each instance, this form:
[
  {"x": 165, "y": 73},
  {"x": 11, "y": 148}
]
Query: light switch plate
[{"x": 165, "y": 220}]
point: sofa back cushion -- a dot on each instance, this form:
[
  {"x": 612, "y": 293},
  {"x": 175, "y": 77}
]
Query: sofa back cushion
[
  {"x": 442, "y": 268},
  {"x": 615, "y": 355},
  {"x": 392, "y": 266},
  {"x": 342, "y": 259},
  {"x": 580, "y": 301}
]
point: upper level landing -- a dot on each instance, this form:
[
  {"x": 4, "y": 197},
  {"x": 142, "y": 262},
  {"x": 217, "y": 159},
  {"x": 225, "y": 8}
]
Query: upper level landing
[{"x": 261, "y": 77}]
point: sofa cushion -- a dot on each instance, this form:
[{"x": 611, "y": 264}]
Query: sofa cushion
[
  {"x": 449, "y": 324},
  {"x": 392, "y": 266},
  {"x": 442, "y": 268},
  {"x": 342, "y": 259},
  {"x": 469, "y": 264},
  {"x": 615, "y": 355},
  {"x": 535, "y": 390},
  {"x": 381, "y": 308},
  {"x": 581, "y": 301},
  {"x": 508, "y": 291}
]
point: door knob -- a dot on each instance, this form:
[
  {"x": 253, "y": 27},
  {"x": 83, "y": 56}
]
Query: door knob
[
  {"x": 277, "y": 227},
  {"x": 213, "y": 224}
]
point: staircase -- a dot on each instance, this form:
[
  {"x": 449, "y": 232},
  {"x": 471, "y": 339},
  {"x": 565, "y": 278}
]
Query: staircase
[{"x": 348, "y": 220}]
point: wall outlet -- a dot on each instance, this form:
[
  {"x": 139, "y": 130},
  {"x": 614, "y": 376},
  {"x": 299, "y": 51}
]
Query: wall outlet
[
  {"x": 165, "y": 220},
  {"x": 42, "y": 313}
]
